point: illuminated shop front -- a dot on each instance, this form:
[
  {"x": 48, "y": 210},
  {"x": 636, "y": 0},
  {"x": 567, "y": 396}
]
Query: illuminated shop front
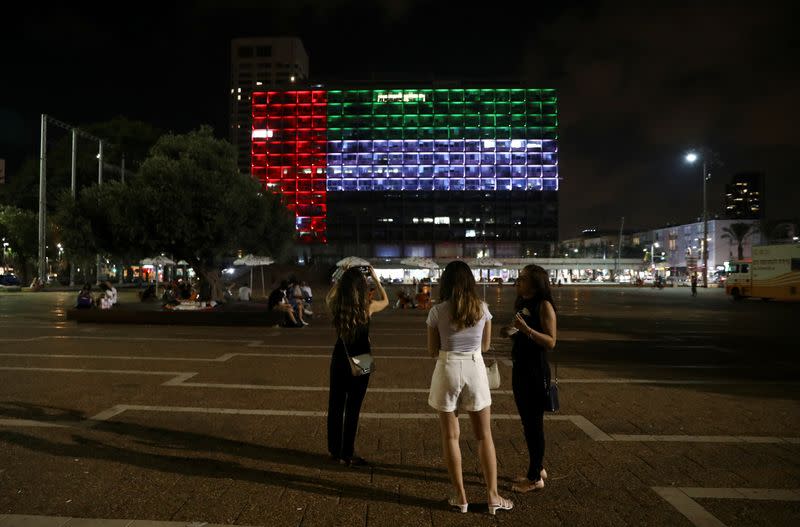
[{"x": 393, "y": 169}]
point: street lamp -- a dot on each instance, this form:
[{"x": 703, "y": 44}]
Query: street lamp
[{"x": 691, "y": 157}]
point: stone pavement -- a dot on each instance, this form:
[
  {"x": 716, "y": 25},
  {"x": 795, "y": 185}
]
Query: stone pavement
[{"x": 675, "y": 411}]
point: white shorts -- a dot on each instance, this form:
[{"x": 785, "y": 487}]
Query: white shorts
[{"x": 459, "y": 382}]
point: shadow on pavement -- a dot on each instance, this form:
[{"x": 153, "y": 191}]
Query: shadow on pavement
[{"x": 197, "y": 461}]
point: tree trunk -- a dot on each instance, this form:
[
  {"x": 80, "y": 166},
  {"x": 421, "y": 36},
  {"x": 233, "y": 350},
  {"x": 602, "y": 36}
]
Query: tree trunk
[
  {"x": 209, "y": 274},
  {"x": 741, "y": 251}
]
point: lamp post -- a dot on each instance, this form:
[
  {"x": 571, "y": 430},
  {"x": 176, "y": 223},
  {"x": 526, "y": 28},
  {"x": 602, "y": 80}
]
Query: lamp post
[
  {"x": 691, "y": 157},
  {"x": 653, "y": 247}
]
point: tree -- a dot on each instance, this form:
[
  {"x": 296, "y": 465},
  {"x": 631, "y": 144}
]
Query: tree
[
  {"x": 20, "y": 229},
  {"x": 188, "y": 201},
  {"x": 738, "y": 232}
]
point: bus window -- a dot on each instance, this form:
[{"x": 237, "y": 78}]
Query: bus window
[{"x": 744, "y": 268}]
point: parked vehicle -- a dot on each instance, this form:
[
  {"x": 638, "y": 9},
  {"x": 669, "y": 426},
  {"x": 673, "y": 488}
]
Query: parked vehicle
[{"x": 772, "y": 273}]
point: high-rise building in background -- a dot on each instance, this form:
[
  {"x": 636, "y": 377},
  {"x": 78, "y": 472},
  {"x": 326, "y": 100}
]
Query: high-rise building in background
[
  {"x": 744, "y": 196},
  {"x": 259, "y": 64},
  {"x": 392, "y": 172}
]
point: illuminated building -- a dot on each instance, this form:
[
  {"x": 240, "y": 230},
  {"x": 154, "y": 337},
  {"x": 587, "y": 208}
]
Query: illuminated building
[
  {"x": 259, "y": 63},
  {"x": 413, "y": 172},
  {"x": 744, "y": 196}
]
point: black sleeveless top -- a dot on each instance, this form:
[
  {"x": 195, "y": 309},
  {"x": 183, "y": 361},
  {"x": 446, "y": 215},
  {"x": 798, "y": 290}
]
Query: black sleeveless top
[
  {"x": 524, "y": 349},
  {"x": 359, "y": 345}
]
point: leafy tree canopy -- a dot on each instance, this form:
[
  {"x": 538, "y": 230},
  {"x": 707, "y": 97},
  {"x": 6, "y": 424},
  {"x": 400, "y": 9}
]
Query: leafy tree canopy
[{"x": 188, "y": 201}]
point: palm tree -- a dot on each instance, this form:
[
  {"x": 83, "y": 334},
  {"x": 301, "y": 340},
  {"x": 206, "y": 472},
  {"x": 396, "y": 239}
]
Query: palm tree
[{"x": 738, "y": 232}]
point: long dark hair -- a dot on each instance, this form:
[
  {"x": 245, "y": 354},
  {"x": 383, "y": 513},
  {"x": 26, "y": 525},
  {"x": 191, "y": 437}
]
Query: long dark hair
[
  {"x": 458, "y": 286},
  {"x": 539, "y": 283},
  {"x": 349, "y": 303}
]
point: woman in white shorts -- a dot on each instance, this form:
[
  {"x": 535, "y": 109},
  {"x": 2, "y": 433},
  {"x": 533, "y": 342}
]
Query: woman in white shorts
[{"x": 459, "y": 329}]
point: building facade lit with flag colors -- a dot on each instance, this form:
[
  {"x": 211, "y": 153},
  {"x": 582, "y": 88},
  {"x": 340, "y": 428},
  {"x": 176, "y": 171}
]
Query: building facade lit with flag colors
[{"x": 413, "y": 172}]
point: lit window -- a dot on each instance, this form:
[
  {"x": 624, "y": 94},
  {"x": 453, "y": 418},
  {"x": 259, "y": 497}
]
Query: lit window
[
  {"x": 415, "y": 220},
  {"x": 442, "y": 220},
  {"x": 262, "y": 134},
  {"x": 470, "y": 233},
  {"x": 427, "y": 220}
]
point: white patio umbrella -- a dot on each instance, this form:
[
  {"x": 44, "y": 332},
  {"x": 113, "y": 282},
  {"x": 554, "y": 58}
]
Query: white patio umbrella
[
  {"x": 352, "y": 261},
  {"x": 484, "y": 263},
  {"x": 418, "y": 261},
  {"x": 184, "y": 264},
  {"x": 347, "y": 262},
  {"x": 251, "y": 260}
]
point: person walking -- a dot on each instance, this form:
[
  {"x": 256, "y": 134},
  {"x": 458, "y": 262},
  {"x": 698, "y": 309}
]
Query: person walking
[
  {"x": 459, "y": 330},
  {"x": 533, "y": 333},
  {"x": 694, "y": 284},
  {"x": 351, "y": 309}
]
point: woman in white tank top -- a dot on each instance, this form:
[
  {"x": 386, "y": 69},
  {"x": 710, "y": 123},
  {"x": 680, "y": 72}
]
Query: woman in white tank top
[{"x": 459, "y": 330}]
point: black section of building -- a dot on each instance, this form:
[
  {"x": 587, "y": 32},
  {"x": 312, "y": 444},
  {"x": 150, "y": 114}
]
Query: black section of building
[
  {"x": 744, "y": 196},
  {"x": 446, "y": 224}
]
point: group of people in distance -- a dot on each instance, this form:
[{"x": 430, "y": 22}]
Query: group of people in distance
[
  {"x": 105, "y": 300},
  {"x": 459, "y": 330},
  {"x": 292, "y": 298}
]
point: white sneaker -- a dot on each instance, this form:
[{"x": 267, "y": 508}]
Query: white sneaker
[
  {"x": 308, "y": 312},
  {"x": 305, "y": 323}
]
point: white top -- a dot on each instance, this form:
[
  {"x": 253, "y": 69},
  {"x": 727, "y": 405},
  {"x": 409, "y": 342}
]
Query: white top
[
  {"x": 244, "y": 293},
  {"x": 465, "y": 340},
  {"x": 306, "y": 290},
  {"x": 111, "y": 294}
]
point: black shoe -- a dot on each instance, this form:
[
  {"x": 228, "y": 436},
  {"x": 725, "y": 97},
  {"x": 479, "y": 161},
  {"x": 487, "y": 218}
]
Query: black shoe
[{"x": 356, "y": 461}]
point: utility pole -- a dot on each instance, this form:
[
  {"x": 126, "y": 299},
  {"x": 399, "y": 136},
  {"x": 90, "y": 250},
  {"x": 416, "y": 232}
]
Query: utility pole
[
  {"x": 619, "y": 247},
  {"x": 72, "y": 187},
  {"x": 705, "y": 227},
  {"x": 42, "y": 267},
  {"x": 42, "y": 198},
  {"x": 99, "y": 184}
]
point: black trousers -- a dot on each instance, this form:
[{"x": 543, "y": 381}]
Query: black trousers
[
  {"x": 527, "y": 381},
  {"x": 344, "y": 406}
]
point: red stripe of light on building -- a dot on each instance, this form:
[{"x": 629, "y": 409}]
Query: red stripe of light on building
[{"x": 289, "y": 154}]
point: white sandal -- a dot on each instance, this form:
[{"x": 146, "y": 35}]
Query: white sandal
[
  {"x": 462, "y": 507},
  {"x": 504, "y": 505}
]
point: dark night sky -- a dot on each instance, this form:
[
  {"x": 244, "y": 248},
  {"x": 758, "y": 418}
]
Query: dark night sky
[{"x": 637, "y": 86}]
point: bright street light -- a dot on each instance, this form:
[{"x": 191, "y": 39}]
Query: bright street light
[{"x": 691, "y": 157}]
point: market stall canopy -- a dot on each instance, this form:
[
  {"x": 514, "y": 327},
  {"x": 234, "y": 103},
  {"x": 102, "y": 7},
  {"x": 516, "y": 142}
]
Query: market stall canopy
[
  {"x": 252, "y": 260},
  {"x": 161, "y": 260},
  {"x": 417, "y": 261},
  {"x": 484, "y": 262}
]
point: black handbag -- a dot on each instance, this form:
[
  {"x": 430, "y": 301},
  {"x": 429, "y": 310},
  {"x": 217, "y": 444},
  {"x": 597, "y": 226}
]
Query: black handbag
[{"x": 551, "y": 403}]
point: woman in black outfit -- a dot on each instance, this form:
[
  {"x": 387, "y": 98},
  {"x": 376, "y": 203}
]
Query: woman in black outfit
[
  {"x": 533, "y": 334},
  {"x": 351, "y": 305}
]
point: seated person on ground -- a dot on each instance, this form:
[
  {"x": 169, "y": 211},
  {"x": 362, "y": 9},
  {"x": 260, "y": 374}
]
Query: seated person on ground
[
  {"x": 85, "y": 300},
  {"x": 245, "y": 293},
  {"x": 279, "y": 302},
  {"x": 295, "y": 295},
  {"x": 308, "y": 297},
  {"x": 149, "y": 294}
]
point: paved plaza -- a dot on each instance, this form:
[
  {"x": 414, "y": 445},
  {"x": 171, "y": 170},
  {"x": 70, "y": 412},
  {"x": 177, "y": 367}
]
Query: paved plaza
[{"x": 676, "y": 411}]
